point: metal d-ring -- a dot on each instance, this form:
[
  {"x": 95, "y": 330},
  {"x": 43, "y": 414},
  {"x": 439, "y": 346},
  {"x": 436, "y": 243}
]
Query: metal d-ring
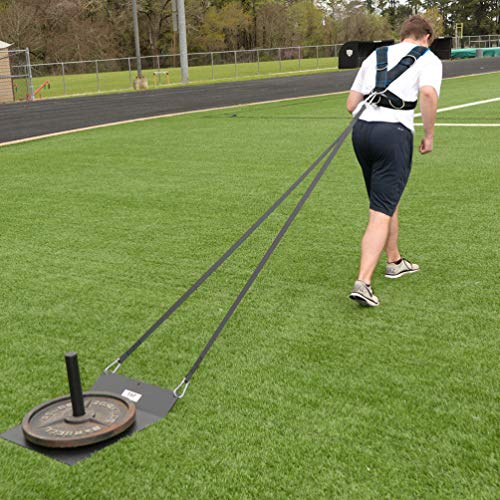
[
  {"x": 181, "y": 395},
  {"x": 397, "y": 107},
  {"x": 115, "y": 369}
]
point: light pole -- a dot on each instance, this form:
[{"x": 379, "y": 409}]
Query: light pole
[
  {"x": 181, "y": 24},
  {"x": 140, "y": 81}
]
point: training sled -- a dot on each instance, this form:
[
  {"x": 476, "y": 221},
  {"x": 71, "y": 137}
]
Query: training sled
[{"x": 72, "y": 428}]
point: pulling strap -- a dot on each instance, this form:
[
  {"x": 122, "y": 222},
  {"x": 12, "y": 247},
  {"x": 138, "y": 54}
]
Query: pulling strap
[
  {"x": 115, "y": 365},
  {"x": 180, "y": 390},
  {"x": 331, "y": 151}
]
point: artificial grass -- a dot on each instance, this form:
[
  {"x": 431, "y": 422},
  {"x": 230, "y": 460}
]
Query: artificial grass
[{"x": 305, "y": 394}]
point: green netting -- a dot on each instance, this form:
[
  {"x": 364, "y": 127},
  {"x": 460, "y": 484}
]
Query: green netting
[
  {"x": 492, "y": 52},
  {"x": 467, "y": 53},
  {"x": 463, "y": 53}
]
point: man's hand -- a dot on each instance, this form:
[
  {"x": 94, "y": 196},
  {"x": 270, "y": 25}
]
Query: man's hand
[{"x": 426, "y": 145}]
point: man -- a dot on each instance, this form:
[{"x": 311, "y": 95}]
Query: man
[{"x": 383, "y": 143}]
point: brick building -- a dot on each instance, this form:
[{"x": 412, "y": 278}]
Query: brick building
[{"x": 6, "y": 93}]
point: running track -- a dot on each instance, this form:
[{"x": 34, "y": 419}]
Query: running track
[{"x": 24, "y": 120}]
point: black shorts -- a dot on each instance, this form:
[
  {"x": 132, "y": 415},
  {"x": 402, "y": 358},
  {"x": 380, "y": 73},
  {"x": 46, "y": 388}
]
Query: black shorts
[{"x": 384, "y": 151}]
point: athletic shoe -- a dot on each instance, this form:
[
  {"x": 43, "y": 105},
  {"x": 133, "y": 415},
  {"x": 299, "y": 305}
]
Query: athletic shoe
[
  {"x": 363, "y": 294},
  {"x": 393, "y": 270}
]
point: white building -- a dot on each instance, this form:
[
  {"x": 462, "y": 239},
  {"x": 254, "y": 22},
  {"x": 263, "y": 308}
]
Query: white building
[{"x": 6, "y": 92}]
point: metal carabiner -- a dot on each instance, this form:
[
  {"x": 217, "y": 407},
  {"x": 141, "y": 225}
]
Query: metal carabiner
[
  {"x": 181, "y": 395},
  {"x": 115, "y": 362},
  {"x": 371, "y": 98}
]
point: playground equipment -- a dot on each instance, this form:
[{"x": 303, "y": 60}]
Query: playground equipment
[
  {"x": 38, "y": 91},
  {"x": 158, "y": 76}
]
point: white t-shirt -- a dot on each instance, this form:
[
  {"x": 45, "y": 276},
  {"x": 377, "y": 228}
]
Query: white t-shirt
[{"x": 427, "y": 70}]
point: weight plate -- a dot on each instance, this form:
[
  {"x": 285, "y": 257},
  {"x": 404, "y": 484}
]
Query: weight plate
[{"x": 53, "y": 425}]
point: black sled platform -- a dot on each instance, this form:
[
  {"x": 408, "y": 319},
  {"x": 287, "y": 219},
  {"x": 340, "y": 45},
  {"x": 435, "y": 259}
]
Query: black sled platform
[{"x": 152, "y": 404}]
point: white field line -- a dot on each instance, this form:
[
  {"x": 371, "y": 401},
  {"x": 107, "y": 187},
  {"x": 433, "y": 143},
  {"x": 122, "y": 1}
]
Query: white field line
[
  {"x": 463, "y": 124},
  {"x": 123, "y": 122},
  {"x": 466, "y": 105}
]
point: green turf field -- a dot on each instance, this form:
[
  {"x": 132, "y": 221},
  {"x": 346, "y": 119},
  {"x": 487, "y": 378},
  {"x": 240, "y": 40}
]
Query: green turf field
[
  {"x": 305, "y": 395},
  {"x": 89, "y": 82}
]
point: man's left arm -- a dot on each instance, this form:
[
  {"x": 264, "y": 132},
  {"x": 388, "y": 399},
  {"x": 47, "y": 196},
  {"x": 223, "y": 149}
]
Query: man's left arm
[
  {"x": 429, "y": 87},
  {"x": 428, "y": 107}
]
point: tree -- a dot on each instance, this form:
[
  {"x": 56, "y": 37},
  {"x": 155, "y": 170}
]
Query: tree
[
  {"x": 63, "y": 30},
  {"x": 352, "y": 21},
  {"x": 224, "y": 28},
  {"x": 434, "y": 17},
  {"x": 154, "y": 16},
  {"x": 306, "y": 23},
  {"x": 273, "y": 25},
  {"x": 20, "y": 26}
]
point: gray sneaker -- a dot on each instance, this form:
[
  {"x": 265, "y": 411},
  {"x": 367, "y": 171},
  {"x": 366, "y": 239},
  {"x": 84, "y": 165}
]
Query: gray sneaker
[
  {"x": 363, "y": 294},
  {"x": 393, "y": 270}
]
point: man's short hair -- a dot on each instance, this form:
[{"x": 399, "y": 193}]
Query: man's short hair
[{"x": 417, "y": 27}]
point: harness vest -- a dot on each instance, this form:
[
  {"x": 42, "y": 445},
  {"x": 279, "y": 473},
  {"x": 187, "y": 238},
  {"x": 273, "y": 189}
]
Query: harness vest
[{"x": 382, "y": 96}]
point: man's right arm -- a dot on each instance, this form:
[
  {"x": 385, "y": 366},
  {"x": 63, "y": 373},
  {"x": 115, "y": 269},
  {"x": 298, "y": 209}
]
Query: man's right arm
[
  {"x": 428, "y": 107},
  {"x": 356, "y": 93}
]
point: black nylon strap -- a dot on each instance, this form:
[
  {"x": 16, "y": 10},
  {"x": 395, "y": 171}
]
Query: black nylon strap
[
  {"x": 392, "y": 101},
  {"x": 381, "y": 75},
  {"x": 274, "y": 244},
  {"x": 406, "y": 62},
  {"x": 384, "y": 78},
  {"x": 225, "y": 256}
]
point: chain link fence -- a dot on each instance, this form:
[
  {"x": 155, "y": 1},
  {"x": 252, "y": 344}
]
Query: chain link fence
[
  {"x": 16, "y": 83},
  {"x": 476, "y": 42},
  {"x": 107, "y": 75}
]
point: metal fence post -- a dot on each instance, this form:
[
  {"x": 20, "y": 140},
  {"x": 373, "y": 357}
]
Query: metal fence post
[
  {"x": 30, "y": 75},
  {"x": 299, "y": 58},
  {"x": 317, "y": 57},
  {"x": 97, "y": 76},
  {"x": 279, "y": 57},
  {"x": 130, "y": 73},
  {"x": 63, "y": 78},
  {"x": 212, "y": 64},
  {"x": 258, "y": 62},
  {"x": 235, "y": 65}
]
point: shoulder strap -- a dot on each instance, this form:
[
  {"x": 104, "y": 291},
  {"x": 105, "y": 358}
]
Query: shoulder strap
[
  {"x": 385, "y": 78},
  {"x": 405, "y": 63},
  {"x": 381, "y": 79}
]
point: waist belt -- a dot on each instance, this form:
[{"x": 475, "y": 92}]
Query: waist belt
[{"x": 390, "y": 100}]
